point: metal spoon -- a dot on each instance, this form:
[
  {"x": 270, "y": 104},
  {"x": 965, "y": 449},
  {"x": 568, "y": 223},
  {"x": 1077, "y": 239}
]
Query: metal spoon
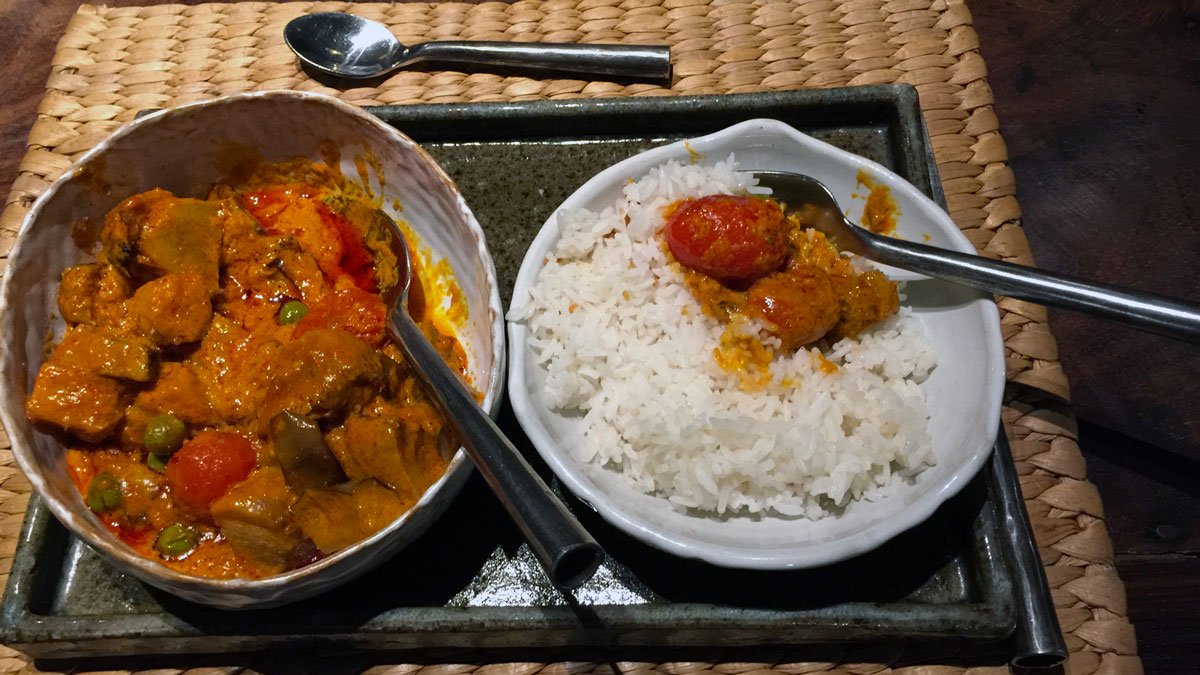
[
  {"x": 568, "y": 553},
  {"x": 350, "y": 46},
  {"x": 1154, "y": 313}
]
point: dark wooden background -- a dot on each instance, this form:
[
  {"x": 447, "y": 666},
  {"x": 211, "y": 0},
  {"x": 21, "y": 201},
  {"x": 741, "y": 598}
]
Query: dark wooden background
[{"x": 1099, "y": 102}]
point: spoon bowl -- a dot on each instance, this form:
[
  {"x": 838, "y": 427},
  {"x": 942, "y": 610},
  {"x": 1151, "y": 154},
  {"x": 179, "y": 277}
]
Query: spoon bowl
[
  {"x": 567, "y": 552},
  {"x": 808, "y": 196},
  {"x": 345, "y": 45}
]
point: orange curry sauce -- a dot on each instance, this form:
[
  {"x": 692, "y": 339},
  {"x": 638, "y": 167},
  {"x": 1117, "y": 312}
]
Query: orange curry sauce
[
  {"x": 747, "y": 262},
  {"x": 880, "y": 211},
  {"x": 233, "y": 404}
]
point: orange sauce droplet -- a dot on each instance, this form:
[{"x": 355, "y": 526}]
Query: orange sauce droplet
[
  {"x": 823, "y": 364},
  {"x": 881, "y": 210}
]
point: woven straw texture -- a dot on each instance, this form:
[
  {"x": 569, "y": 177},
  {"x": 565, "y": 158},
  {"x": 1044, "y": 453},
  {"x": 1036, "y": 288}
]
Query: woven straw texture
[{"x": 113, "y": 62}]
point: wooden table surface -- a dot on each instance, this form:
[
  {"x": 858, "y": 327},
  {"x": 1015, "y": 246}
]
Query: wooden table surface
[{"x": 1098, "y": 103}]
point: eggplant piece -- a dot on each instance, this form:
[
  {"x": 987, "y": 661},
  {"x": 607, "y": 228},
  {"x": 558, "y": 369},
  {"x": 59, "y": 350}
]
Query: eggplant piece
[
  {"x": 337, "y": 517},
  {"x": 255, "y": 518},
  {"x": 306, "y": 460}
]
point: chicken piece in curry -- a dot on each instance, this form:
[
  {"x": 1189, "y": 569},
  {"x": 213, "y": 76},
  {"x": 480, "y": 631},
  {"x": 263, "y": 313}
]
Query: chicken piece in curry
[
  {"x": 745, "y": 258},
  {"x": 231, "y": 404}
]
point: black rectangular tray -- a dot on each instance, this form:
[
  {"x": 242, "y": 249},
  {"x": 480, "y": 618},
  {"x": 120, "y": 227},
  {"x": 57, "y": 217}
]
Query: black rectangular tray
[{"x": 469, "y": 583}]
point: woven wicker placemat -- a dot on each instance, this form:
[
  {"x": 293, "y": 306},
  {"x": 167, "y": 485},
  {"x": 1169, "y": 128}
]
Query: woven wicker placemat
[{"x": 112, "y": 63}]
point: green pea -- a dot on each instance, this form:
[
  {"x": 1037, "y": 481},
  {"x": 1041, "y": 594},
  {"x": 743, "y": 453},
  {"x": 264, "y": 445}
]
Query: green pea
[
  {"x": 175, "y": 540},
  {"x": 157, "y": 463},
  {"x": 292, "y": 311},
  {"x": 104, "y": 493},
  {"x": 164, "y": 434}
]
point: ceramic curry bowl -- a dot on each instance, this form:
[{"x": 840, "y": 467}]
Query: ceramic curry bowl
[{"x": 186, "y": 150}]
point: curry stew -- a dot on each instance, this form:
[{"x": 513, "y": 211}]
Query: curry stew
[
  {"x": 745, "y": 259},
  {"x": 230, "y": 400}
]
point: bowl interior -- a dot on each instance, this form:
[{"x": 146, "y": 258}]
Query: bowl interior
[
  {"x": 963, "y": 392},
  {"x": 186, "y": 150}
]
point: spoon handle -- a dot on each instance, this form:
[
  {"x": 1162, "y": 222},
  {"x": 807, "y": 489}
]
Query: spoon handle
[
  {"x": 1146, "y": 311},
  {"x": 568, "y": 553},
  {"x": 608, "y": 59}
]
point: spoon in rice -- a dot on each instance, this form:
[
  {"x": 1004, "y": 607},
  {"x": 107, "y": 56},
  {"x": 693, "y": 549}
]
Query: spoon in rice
[
  {"x": 568, "y": 553},
  {"x": 1145, "y": 311}
]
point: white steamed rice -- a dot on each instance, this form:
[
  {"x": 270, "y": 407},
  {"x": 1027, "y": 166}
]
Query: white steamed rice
[{"x": 620, "y": 341}]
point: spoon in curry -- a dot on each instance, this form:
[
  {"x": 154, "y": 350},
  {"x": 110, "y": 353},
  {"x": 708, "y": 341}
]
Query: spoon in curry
[
  {"x": 350, "y": 46},
  {"x": 568, "y": 553},
  {"x": 1145, "y": 311}
]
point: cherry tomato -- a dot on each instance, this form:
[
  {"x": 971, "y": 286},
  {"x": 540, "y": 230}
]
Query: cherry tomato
[
  {"x": 343, "y": 250},
  {"x": 207, "y": 466},
  {"x": 351, "y": 309},
  {"x": 729, "y": 237},
  {"x": 356, "y": 260},
  {"x": 266, "y": 204}
]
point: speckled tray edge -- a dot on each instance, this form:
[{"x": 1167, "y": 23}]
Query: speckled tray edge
[{"x": 31, "y": 632}]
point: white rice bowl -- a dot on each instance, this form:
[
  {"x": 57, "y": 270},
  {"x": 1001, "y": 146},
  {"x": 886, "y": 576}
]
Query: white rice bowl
[
  {"x": 624, "y": 344},
  {"x": 614, "y": 380}
]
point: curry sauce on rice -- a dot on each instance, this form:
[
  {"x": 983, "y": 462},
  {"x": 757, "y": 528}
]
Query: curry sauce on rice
[{"x": 724, "y": 356}]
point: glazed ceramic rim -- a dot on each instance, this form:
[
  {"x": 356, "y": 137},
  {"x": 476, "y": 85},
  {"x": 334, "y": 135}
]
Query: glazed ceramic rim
[
  {"x": 573, "y": 473},
  {"x": 108, "y": 545}
]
